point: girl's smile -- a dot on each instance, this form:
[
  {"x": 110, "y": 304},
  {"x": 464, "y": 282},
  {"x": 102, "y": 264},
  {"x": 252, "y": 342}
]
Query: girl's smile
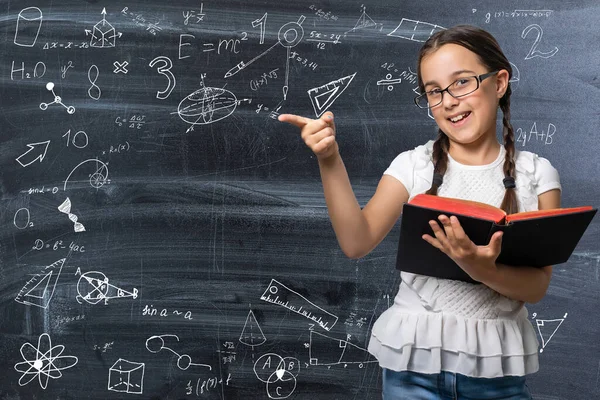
[
  {"x": 468, "y": 120},
  {"x": 459, "y": 119}
]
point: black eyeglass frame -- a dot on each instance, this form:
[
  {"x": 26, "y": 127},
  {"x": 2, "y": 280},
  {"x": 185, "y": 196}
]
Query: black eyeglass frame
[{"x": 478, "y": 78}]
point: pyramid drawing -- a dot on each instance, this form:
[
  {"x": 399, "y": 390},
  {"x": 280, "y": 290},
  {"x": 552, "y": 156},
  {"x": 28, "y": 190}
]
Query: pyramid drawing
[
  {"x": 322, "y": 97},
  {"x": 38, "y": 290},
  {"x": 364, "y": 22}
]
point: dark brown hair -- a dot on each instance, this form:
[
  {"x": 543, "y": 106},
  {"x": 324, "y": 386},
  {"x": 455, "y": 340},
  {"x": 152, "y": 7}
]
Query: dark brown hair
[{"x": 487, "y": 49}]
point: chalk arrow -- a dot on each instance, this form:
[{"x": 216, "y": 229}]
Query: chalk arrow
[{"x": 40, "y": 147}]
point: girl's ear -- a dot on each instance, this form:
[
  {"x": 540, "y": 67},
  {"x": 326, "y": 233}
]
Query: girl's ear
[{"x": 502, "y": 78}]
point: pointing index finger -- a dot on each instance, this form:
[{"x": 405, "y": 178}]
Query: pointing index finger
[{"x": 293, "y": 119}]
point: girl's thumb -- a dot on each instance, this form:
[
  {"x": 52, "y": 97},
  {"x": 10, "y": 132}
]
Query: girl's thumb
[
  {"x": 328, "y": 117},
  {"x": 497, "y": 242}
]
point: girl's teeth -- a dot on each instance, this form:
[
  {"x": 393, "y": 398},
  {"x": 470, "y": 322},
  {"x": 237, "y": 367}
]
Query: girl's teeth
[{"x": 459, "y": 117}]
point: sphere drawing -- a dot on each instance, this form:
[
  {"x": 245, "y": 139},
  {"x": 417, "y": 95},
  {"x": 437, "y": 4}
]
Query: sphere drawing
[{"x": 207, "y": 105}]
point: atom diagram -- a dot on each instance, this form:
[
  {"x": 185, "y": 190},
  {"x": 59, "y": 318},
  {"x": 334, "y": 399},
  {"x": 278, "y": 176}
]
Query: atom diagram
[{"x": 43, "y": 362}]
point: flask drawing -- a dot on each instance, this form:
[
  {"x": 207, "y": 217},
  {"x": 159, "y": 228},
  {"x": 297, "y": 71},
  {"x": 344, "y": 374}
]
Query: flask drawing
[{"x": 29, "y": 22}]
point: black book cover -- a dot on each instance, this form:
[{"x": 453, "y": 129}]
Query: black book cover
[{"x": 541, "y": 241}]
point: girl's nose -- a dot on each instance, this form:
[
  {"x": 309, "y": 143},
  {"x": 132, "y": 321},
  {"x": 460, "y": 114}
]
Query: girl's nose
[{"x": 449, "y": 101}]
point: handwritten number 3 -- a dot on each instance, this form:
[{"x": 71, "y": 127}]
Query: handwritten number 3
[
  {"x": 533, "y": 52},
  {"x": 164, "y": 69}
]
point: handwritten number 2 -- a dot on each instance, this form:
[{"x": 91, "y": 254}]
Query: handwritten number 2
[
  {"x": 164, "y": 69},
  {"x": 533, "y": 52}
]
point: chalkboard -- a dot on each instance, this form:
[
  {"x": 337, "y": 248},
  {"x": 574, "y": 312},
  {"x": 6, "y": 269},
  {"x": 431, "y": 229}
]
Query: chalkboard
[{"x": 163, "y": 236}]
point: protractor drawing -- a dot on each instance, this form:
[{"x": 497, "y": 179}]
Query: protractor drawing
[
  {"x": 252, "y": 335},
  {"x": 322, "y": 97},
  {"x": 93, "y": 287},
  {"x": 325, "y": 350},
  {"x": 38, "y": 290}
]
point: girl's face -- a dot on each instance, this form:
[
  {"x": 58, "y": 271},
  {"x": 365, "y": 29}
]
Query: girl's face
[{"x": 443, "y": 67}]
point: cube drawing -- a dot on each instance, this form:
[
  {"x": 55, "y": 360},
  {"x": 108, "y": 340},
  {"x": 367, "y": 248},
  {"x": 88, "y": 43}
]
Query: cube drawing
[
  {"x": 103, "y": 35},
  {"x": 126, "y": 376}
]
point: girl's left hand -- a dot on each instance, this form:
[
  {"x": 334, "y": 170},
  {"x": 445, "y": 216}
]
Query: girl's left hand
[{"x": 477, "y": 261}]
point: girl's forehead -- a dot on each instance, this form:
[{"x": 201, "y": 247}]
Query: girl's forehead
[{"x": 446, "y": 60}]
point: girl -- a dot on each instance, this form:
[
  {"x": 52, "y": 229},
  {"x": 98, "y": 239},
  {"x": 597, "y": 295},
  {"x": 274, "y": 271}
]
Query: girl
[{"x": 445, "y": 339}]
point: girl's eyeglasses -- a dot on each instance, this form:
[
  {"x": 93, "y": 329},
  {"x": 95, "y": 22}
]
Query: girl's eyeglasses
[{"x": 459, "y": 88}]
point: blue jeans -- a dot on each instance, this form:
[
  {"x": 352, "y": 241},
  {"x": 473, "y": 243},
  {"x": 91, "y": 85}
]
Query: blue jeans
[{"x": 450, "y": 386}]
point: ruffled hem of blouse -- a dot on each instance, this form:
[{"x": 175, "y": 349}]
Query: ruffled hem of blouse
[
  {"x": 435, "y": 360},
  {"x": 481, "y": 338}
]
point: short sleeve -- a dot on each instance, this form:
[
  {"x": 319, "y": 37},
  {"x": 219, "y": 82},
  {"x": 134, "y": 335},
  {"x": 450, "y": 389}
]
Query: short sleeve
[
  {"x": 413, "y": 168},
  {"x": 546, "y": 176},
  {"x": 402, "y": 169}
]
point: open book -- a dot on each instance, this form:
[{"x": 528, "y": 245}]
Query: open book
[{"x": 531, "y": 238}]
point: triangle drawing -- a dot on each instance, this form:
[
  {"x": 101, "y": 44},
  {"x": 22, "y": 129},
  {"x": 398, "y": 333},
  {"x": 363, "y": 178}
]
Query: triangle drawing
[
  {"x": 322, "y": 97},
  {"x": 39, "y": 289},
  {"x": 325, "y": 350},
  {"x": 547, "y": 328}
]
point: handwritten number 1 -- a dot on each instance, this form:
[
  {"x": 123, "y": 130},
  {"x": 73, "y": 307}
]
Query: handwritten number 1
[{"x": 262, "y": 21}]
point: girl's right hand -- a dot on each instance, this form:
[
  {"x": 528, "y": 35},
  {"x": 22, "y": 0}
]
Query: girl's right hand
[{"x": 318, "y": 134}]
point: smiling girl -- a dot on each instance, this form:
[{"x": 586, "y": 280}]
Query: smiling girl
[{"x": 446, "y": 339}]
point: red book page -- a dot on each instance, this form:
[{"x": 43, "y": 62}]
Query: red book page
[
  {"x": 545, "y": 213},
  {"x": 450, "y": 206}
]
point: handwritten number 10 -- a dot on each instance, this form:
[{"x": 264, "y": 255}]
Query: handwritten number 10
[
  {"x": 74, "y": 140},
  {"x": 262, "y": 21}
]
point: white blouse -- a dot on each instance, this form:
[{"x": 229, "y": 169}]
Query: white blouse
[{"x": 441, "y": 324}]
